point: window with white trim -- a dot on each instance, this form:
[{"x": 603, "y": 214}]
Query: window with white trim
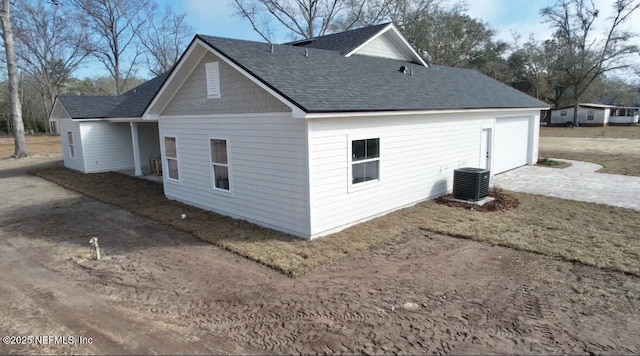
[
  {"x": 219, "y": 163},
  {"x": 563, "y": 113},
  {"x": 365, "y": 160},
  {"x": 171, "y": 157},
  {"x": 72, "y": 151},
  {"x": 212, "y": 70},
  {"x": 590, "y": 115}
]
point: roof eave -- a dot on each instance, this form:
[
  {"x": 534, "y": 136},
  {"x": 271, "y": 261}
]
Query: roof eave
[
  {"x": 149, "y": 114},
  {"x": 314, "y": 114}
]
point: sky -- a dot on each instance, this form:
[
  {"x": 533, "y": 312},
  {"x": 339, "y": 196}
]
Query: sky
[{"x": 216, "y": 18}]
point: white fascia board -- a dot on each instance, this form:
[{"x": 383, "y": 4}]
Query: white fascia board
[
  {"x": 125, "y": 119},
  {"x": 155, "y": 106},
  {"x": 89, "y": 119},
  {"x": 403, "y": 40},
  {"x": 150, "y": 114},
  {"x": 408, "y": 46},
  {"x": 380, "y": 33},
  {"x": 58, "y": 105},
  {"x": 413, "y": 112}
]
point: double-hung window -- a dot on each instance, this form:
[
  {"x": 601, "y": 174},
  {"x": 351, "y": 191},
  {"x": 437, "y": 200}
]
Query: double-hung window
[
  {"x": 72, "y": 151},
  {"x": 365, "y": 160},
  {"x": 220, "y": 163},
  {"x": 171, "y": 156}
]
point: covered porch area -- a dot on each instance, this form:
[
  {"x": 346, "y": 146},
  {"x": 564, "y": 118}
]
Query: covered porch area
[
  {"x": 145, "y": 148},
  {"x": 122, "y": 145}
]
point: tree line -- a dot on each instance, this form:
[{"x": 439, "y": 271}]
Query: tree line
[
  {"x": 571, "y": 66},
  {"x": 48, "y": 41}
]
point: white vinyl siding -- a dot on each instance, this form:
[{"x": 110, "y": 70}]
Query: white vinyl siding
[
  {"x": 419, "y": 154},
  {"x": 383, "y": 47},
  {"x": 75, "y": 162},
  {"x": 213, "y": 80},
  {"x": 268, "y": 155},
  {"x": 106, "y": 145}
]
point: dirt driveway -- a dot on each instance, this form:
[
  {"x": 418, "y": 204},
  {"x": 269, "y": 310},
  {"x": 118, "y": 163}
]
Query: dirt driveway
[{"x": 159, "y": 290}]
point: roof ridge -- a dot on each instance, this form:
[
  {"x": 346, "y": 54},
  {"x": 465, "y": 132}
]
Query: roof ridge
[
  {"x": 266, "y": 44},
  {"x": 381, "y": 25}
]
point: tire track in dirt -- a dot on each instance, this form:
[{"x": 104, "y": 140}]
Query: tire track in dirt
[{"x": 534, "y": 312}]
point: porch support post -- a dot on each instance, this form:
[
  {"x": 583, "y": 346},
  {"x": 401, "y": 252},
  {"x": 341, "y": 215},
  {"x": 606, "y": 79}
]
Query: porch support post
[{"x": 136, "y": 148}]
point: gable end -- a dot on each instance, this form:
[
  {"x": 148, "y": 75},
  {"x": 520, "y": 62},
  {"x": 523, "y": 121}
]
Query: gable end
[
  {"x": 214, "y": 87},
  {"x": 389, "y": 43}
]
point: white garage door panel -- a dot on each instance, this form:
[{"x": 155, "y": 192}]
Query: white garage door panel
[{"x": 511, "y": 141}]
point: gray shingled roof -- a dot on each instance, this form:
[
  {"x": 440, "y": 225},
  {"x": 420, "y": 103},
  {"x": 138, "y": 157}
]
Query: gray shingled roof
[
  {"x": 326, "y": 81},
  {"x": 85, "y": 107},
  {"x": 130, "y": 104},
  {"x": 343, "y": 42}
]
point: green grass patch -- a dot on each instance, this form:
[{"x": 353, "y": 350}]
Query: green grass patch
[
  {"x": 593, "y": 234},
  {"x": 547, "y": 162}
]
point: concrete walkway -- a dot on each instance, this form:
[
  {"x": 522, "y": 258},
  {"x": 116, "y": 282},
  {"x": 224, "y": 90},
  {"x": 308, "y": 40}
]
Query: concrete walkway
[{"x": 578, "y": 182}]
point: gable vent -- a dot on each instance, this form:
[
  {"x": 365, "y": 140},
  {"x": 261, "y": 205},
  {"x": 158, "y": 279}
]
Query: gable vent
[{"x": 213, "y": 80}]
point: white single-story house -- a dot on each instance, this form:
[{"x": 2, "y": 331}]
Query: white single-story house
[
  {"x": 107, "y": 133},
  {"x": 307, "y": 137},
  {"x": 595, "y": 115}
]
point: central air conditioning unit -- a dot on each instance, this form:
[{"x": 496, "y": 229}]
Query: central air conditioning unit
[{"x": 470, "y": 183}]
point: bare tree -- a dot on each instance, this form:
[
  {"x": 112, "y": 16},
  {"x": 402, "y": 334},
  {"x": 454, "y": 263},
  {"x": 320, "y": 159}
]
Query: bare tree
[
  {"x": 51, "y": 45},
  {"x": 581, "y": 57},
  {"x": 116, "y": 25},
  {"x": 303, "y": 18},
  {"x": 14, "y": 94},
  {"x": 165, "y": 38},
  {"x": 449, "y": 37}
]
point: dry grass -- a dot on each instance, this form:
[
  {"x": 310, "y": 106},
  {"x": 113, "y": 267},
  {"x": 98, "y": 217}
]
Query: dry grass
[
  {"x": 613, "y": 163},
  {"x": 37, "y": 145},
  {"x": 615, "y": 155},
  {"x": 596, "y": 235},
  {"x": 632, "y": 132}
]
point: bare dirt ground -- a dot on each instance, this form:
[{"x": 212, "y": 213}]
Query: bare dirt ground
[{"x": 159, "y": 290}]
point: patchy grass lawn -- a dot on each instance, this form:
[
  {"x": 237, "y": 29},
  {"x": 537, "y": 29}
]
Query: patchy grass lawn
[
  {"x": 632, "y": 132},
  {"x": 616, "y": 156},
  {"x": 613, "y": 163},
  {"x": 596, "y": 235},
  {"x": 36, "y": 145}
]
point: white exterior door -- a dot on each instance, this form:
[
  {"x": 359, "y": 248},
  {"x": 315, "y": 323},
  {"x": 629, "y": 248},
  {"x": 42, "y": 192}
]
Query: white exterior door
[
  {"x": 485, "y": 149},
  {"x": 511, "y": 143}
]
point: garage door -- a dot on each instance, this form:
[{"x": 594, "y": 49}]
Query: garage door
[{"x": 510, "y": 142}]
